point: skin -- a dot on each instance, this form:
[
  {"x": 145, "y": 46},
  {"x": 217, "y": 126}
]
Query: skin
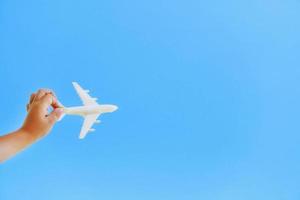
[{"x": 37, "y": 124}]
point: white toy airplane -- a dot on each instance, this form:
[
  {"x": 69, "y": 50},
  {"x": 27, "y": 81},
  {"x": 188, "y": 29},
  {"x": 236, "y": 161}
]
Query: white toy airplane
[{"x": 90, "y": 110}]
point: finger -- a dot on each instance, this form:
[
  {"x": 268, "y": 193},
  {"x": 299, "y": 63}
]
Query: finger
[
  {"x": 31, "y": 98},
  {"x": 57, "y": 104},
  {"x": 42, "y": 105},
  {"x": 41, "y": 93},
  {"x": 47, "y": 100},
  {"x": 55, "y": 115}
]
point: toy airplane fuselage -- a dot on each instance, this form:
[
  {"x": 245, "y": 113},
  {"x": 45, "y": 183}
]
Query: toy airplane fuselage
[{"x": 90, "y": 110}]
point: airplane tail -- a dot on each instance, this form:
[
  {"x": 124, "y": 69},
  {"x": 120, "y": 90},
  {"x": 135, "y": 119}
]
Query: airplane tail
[{"x": 63, "y": 107}]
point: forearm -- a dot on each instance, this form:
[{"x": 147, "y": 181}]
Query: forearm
[{"x": 14, "y": 142}]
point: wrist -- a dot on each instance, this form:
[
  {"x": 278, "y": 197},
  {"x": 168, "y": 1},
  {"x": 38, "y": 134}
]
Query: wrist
[{"x": 27, "y": 135}]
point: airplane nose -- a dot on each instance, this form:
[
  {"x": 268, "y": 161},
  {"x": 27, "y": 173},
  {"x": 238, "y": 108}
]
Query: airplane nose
[
  {"x": 108, "y": 108},
  {"x": 114, "y": 108}
]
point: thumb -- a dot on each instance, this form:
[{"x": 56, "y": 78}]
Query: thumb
[{"x": 55, "y": 115}]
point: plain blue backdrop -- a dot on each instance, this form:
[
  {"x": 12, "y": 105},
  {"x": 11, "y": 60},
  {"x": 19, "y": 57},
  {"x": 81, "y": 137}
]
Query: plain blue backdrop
[{"x": 208, "y": 95}]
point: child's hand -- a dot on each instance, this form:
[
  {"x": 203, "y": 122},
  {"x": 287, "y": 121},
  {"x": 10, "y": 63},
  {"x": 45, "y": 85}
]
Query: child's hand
[
  {"x": 37, "y": 124},
  {"x": 39, "y": 121}
]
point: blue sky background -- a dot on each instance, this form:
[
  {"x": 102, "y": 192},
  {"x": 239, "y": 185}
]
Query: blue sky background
[{"x": 208, "y": 95}]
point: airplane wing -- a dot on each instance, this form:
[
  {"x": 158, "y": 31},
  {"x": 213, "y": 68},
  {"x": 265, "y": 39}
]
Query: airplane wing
[
  {"x": 84, "y": 96},
  {"x": 89, "y": 120}
]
